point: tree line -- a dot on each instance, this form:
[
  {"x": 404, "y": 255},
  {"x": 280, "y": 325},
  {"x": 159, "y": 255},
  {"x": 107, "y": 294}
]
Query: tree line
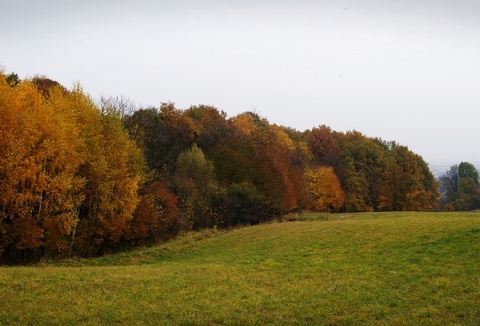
[{"x": 84, "y": 178}]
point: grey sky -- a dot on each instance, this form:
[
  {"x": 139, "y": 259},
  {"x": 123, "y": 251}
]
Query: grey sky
[{"x": 407, "y": 71}]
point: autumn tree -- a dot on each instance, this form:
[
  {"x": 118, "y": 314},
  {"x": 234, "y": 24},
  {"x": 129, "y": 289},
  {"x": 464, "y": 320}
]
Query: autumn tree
[
  {"x": 356, "y": 187},
  {"x": 82, "y": 177},
  {"x": 39, "y": 158},
  {"x": 69, "y": 173},
  {"x": 259, "y": 156},
  {"x": 163, "y": 134},
  {"x": 156, "y": 217},
  {"x": 45, "y": 85},
  {"x": 240, "y": 171},
  {"x": 363, "y": 171},
  {"x": 273, "y": 170},
  {"x": 431, "y": 195},
  {"x": 415, "y": 188},
  {"x": 324, "y": 146},
  {"x": 112, "y": 171},
  {"x": 325, "y": 188},
  {"x": 211, "y": 126},
  {"x": 382, "y": 176}
]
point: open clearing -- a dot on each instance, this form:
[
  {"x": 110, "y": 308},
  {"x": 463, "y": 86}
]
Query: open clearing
[{"x": 372, "y": 268}]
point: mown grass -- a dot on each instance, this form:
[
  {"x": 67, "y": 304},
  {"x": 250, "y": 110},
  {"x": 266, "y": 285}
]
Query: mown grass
[{"x": 387, "y": 269}]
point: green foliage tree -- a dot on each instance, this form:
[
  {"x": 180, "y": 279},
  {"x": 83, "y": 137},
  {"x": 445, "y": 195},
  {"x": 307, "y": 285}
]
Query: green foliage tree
[
  {"x": 163, "y": 134},
  {"x": 245, "y": 204},
  {"x": 198, "y": 190},
  {"x": 363, "y": 173},
  {"x": 449, "y": 187},
  {"x": 459, "y": 188},
  {"x": 13, "y": 80},
  {"x": 468, "y": 171},
  {"x": 381, "y": 176},
  {"x": 356, "y": 188},
  {"x": 414, "y": 185}
]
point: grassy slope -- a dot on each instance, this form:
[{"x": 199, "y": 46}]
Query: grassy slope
[{"x": 392, "y": 268}]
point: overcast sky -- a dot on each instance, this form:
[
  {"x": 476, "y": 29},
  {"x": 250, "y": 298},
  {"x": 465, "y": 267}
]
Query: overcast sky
[{"x": 403, "y": 70}]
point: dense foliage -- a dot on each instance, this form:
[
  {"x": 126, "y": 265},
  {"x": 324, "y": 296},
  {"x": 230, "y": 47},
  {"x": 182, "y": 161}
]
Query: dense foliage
[
  {"x": 460, "y": 188},
  {"x": 82, "y": 178}
]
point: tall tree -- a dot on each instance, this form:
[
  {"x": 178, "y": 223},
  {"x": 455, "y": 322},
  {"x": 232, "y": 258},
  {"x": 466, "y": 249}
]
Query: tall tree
[
  {"x": 39, "y": 158},
  {"x": 113, "y": 170}
]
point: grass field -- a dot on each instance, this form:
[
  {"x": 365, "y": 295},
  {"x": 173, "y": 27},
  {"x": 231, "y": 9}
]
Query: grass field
[{"x": 375, "y": 268}]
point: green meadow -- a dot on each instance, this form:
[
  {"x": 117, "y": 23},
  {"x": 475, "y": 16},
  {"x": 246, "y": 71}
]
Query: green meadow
[{"x": 355, "y": 269}]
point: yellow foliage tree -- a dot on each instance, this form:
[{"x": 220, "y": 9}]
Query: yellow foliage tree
[
  {"x": 244, "y": 123},
  {"x": 325, "y": 189},
  {"x": 64, "y": 167},
  {"x": 112, "y": 169},
  {"x": 39, "y": 159}
]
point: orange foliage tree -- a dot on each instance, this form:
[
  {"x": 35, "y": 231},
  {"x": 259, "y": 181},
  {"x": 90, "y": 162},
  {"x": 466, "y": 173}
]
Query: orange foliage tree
[
  {"x": 156, "y": 217},
  {"x": 39, "y": 158},
  {"x": 325, "y": 189},
  {"x": 66, "y": 170}
]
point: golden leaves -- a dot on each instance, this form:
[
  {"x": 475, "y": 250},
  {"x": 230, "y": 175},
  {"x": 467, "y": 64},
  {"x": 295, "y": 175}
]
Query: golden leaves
[
  {"x": 325, "y": 188},
  {"x": 59, "y": 156}
]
